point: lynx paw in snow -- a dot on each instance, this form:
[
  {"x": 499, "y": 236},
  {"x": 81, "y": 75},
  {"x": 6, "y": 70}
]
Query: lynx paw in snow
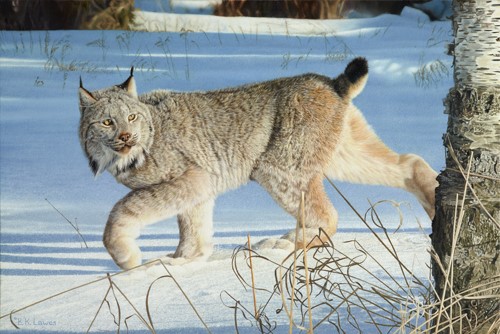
[
  {"x": 168, "y": 260},
  {"x": 275, "y": 243},
  {"x": 155, "y": 267}
]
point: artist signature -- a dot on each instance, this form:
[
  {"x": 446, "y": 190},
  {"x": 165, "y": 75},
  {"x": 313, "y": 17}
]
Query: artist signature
[{"x": 32, "y": 321}]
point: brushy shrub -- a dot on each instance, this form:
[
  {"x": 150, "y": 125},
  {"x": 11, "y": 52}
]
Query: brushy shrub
[
  {"x": 66, "y": 14},
  {"x": 311, "y": 9},
  {"x": 298, "y": 9}
]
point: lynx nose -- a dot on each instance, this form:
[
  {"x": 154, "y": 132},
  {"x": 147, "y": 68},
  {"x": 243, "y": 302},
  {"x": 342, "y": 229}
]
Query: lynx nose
[{"x": 124, "y": 136}]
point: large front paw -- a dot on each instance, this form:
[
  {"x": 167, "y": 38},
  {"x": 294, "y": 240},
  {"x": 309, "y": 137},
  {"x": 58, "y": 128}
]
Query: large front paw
[{"x": 124, "y": 252}]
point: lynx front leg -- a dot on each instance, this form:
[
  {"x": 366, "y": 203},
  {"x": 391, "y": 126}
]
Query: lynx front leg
[
  {"x": 195, "y": 233},
  {"x": 149, "y": 205}
]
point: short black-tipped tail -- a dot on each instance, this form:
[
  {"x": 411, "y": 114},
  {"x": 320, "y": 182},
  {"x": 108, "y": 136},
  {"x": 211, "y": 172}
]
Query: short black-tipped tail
[
  {"x": 352, "y": 81},
  {"x": 356, "y": 69}
]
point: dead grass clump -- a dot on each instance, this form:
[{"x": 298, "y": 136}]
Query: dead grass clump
[{"x": 351, "y": 289}]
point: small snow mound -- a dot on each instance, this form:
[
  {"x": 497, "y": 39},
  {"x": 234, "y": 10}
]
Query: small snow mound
[
  {"x": 437, "y": 9},
  {"x": 415, "y": 14}
]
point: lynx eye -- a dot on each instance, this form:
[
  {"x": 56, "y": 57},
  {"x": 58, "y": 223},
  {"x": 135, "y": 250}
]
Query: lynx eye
[
  {"x": 107, "y": 122},
  {"x": 132, "y": 117}
]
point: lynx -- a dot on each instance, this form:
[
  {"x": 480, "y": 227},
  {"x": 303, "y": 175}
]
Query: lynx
[{"x": 177, "y": 151}]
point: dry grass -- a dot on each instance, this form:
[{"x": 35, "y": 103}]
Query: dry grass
[
  {"x": 347, "y": 289},
  {"x": 430, "y": 74},
  {"x": 349, "y": 296},
  {"x": 115, "y": 299},
  {"x": 73, "y": 225}
]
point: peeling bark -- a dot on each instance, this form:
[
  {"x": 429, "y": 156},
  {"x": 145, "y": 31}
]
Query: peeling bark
[
  {"x": 473, "y": 106},
  {"x": 476, "y": 24}
]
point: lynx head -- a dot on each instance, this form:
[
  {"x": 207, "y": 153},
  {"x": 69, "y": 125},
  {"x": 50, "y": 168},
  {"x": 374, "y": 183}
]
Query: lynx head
[{"x": 116, "y": 129}]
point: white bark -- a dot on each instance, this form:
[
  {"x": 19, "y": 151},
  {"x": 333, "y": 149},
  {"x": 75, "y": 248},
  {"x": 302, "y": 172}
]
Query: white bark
[
  {"x": 477, "y": 70},
  {"x": 477, "y": 43}
]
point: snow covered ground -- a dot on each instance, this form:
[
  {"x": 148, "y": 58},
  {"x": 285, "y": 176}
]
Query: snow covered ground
[{"x": 42, "y": 166}]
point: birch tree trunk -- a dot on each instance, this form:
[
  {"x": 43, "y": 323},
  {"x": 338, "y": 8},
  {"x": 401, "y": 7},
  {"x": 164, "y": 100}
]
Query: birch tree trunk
[{"x": 466, "y": 230}]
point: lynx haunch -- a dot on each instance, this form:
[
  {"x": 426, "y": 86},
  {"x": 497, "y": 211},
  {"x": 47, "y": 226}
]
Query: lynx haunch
[{"x": 178, "y": 151}]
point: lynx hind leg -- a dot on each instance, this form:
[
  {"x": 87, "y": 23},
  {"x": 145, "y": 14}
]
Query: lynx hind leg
[
  {"x": 318, "y": 212},
  {"x": 362, "y": 157},
  {"x": 422, "y": 181}
]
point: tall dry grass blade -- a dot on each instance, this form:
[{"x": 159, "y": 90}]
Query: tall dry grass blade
[
  {"x": 264, "y": 323},
  {"x": 466, "y": 176},
  {"x": 104, "y": 300},
  {"x": 139, "y": 315},
  {"x": 186, "y": 296},
  {"x": 375, "y": 216},
  {"x": 457, "y": 226},
  {"x": 148, "y": 312},
  {"x": 117, "y": 322},
  {"x": 294, "y": 279},
  {"x": 256, "y": 314},
  {"x": 306, "y": 268},
  {"x": 365, "y": 222},
  {"x": 12, "y": 321},
  {"x": 344, "y": 301},
  {"x": 58, "y": 295}
]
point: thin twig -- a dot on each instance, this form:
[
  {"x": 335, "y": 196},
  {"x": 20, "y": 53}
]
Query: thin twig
[
  {"x": 69, "y": 221},
  {"x": 134, "y": 308},
  {"x": 306, "y": 268},
  {"x": 118, "y": 323},
  {"x": 185, "y": 296}
]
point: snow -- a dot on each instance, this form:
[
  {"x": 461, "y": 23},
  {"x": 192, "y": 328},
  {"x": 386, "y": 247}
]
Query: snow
[
  {"x": 41, "y": 161},
  {"x": 177, "y": 6}
]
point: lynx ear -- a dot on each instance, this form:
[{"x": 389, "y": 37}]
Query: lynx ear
[
  {"x": 129, "y": 84},
  {"x": 86, "y": 97}
]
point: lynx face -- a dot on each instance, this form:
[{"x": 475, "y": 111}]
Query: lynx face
[{"x": 115, "y": 130}]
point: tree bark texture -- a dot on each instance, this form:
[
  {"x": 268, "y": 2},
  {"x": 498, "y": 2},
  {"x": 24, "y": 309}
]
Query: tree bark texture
[{"x": 473, "y": 132}]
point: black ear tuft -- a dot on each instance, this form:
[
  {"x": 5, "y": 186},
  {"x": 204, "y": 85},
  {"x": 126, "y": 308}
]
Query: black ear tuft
[
  {"x": 356, "y": 69},
  {"x": 94, "y": 166},
  {"x": 126, "y": 83},
  {"x": 129, "y": 84},
  {"x": 86, "y": 97}
]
